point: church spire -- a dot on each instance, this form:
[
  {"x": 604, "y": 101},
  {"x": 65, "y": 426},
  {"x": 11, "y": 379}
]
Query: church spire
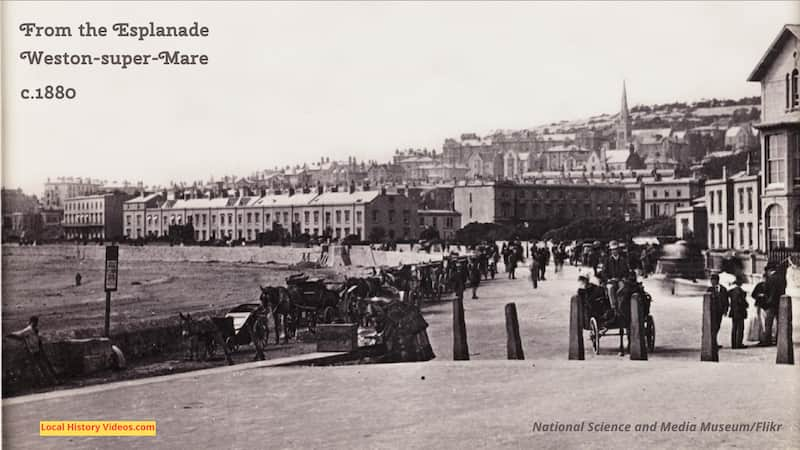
[
  {"x": 624, "y": 110},
  {"x": 624, "y": 123}
]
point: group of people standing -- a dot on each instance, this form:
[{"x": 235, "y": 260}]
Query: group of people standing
[{"x": 733, "y": 303}]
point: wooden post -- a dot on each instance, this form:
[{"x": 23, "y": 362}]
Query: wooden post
[
  {"x": 107, "y": 325},
  {"x": 638, "y": 344},
  {"x": 708, "y": 345},
  {"x": 460, "y": 348},
  {"x": 514, "y": 342},
  {"x": 785, "y": 345},
  {"x": 576, "y": 329}
]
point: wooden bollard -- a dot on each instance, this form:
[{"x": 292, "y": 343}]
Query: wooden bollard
[
  {"x": 785, "y": 345},
  {"x": 514, "y": 343},
  {"x": 576, "y": 328},
  {"x": 708, "y": 345},
  {"x": 638, "y": 344},
  {"x": 460, "y": 348}
]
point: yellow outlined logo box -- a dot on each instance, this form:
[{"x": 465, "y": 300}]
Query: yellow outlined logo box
[{"x": 97, "y": 428}]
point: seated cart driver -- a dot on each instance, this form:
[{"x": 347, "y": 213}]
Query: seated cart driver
[{"x": 615, "y": 271}]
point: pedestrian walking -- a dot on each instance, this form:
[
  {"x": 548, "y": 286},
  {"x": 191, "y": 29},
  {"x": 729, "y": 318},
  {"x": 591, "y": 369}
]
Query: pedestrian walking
[
  {"x": 474, "y": 278},
  {"x": 34, "y": 348},
  {"x": 534, "y": 272},
  {"x": 512, "y": 266},
  {"x": 719, "y": 306},
  {"x": 504, "y": 252},
  {"x": 738, "y": 313}
]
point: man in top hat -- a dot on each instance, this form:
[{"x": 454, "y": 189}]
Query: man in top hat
[
  {"x": 719, "y": 305},
  {"x": 738, "y": 313}
]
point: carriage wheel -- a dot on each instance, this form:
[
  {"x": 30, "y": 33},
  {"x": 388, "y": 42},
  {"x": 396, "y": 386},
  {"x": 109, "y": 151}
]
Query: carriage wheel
[
  {"x": 594, "y": 335},
  {"x": 650, "y": 333},
  {"x": 328, "y": 315}
]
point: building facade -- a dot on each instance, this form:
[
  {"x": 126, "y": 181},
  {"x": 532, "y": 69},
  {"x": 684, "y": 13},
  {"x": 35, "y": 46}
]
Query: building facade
[
  {"x": 508, "y": 202},
  {"x": 447, "y": 222},
  {"x": 777, "y": 71},
  {"x": 62, "y": 188},
  {"x": 365, "y": 214},
  {"x": 92, "y": 217},
  {"x": 662, "y": 196}
]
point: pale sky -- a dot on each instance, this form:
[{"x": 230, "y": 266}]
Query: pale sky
[{"x": 288, "y": 83}]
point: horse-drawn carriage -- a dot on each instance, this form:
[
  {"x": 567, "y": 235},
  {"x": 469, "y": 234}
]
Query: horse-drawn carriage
[
  {"x": 607, "y": 313},
  {"x": 314, "y": 300},
  {"x": 247, "y": 319}
]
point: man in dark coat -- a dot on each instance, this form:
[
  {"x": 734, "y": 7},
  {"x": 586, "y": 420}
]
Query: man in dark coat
[
  {"x": 474, "y": 277},
  {"x": 738, "y": 313},
  {"x": 774, "y": 287},
  {"x": 719, "y": 305},
  {"x": 534, "y": 268},
  {"x": 512, "y": 263},
  {"x": 615, "y": 266}
]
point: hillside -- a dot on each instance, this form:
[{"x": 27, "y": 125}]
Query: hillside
[{"x": 677, "y": 115}]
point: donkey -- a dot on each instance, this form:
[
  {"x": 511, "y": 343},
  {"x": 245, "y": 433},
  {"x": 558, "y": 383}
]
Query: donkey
[
  {"x": 202, "y": 332},
  {"x": 278, "y": 301}
]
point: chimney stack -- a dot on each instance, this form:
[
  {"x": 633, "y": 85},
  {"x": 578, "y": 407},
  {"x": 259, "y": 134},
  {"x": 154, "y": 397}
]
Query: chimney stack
[{"x": 352, "y": 186}]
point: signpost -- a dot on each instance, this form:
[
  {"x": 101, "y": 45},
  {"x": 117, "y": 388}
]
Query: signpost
[{"x": 111, "y": 278}]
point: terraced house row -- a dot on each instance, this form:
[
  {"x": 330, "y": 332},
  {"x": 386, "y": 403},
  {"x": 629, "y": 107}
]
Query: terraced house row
[{"x": 365, "y": 214}]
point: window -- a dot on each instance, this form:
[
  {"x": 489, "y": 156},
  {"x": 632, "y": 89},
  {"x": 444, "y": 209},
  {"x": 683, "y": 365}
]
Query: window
[
  {"x": 255, "y": 217},
  {"x": 239, "y": 218},
  {"x": 678, "y": 193},
  {"x": 222, "y": 219},
  {"x": 719, "y": 234},
  {"x": 775, "y": 148},
  {"x": 719, "y": 202},
  {"x": 655, "y": 194},
  {"x": 230, "y": 219},
  {"x": 347, "y": 217},
  {"x": 296, "y": 217},
  {"x": 266, "y": 218},
  {"x": 316, "y": 217},
  {"x": 358, "y": 216},
  {"x": 666, "y": 193},
  {"x": 249, "y": 217},
  {"x": 338, "y": 217},
  {"x": 711, "y": 202},
  {"x": 741, "y": 200},
  {"x": 307, "y": 216},
  {"x": 776, "y": 231},
  {"x": 741, "y": 235},
  {"x": 788, "y": 92},
  {"x": 794, "y": 149},
  {"x": 749, "y": 199},
  {"x": 711, "y": 235},
  {"x": 795, "y": 94},
  {"x": 750, "y": 234}
]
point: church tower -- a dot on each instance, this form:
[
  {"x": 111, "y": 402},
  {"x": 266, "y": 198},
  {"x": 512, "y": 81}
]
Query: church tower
[{"x": 624, "y": 124}]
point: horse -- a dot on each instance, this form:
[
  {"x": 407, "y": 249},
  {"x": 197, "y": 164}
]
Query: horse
[
  {"x": 278, "y": 301},
  {"x": 203, "y": 331}
]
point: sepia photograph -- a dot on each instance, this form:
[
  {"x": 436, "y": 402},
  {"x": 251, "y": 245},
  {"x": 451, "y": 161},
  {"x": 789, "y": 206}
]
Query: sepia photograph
[{"x": 400, "y": 224}]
